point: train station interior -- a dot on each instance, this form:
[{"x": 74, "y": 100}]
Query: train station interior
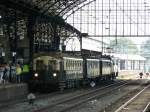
[{"x": 58, "y": 45}]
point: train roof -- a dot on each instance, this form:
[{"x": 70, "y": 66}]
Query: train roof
[
  {"x": 93, "y": 60},
  {"x": 72, "y": 58}
]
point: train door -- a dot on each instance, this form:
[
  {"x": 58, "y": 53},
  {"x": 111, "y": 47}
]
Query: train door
[{"x": 100, "y": 68}]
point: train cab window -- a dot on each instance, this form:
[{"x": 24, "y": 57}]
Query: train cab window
[
  {"x": 39, "y": 64},
  {"x": 52, "y": 64}
]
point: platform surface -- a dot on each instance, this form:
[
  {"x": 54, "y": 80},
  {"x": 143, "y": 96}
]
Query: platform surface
[{"x": 10, "y": 92}]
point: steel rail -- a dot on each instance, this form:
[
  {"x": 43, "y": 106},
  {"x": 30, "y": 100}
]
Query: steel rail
[
  {"x": 80, "y": 96},
  {"x": 129, "y": 101},
  {"x": 145, "y": 109}
]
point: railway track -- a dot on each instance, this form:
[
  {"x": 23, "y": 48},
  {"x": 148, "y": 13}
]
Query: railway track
[
  {"x": 147, "y": 108},
  {"x": 70, "y": 103},
  {"x": 60, "y": 102},
  {"x": 138, "y": 103}
]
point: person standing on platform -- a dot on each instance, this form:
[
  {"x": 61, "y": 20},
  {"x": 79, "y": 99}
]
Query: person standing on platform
[
  {"x": 141, "y": 74},
  {"x": 13, "y": 72},
  {"x": 18, "y": 73},
  {"x": 25, "y": 72},
  {"x": 1, "y": 73},
  {"x": 7, "y": 73}
]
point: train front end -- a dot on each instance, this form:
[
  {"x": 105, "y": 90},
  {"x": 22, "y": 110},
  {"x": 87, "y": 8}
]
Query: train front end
[{"x": 45, "y": 75}]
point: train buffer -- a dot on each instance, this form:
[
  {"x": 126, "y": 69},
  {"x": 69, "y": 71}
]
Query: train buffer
[{"x": 62, "y": 85}]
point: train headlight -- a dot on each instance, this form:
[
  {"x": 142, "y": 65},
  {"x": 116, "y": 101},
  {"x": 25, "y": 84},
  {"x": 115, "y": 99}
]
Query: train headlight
[
  {"x": 36, "y": 75},
  {"x": 54, "y": 74}
]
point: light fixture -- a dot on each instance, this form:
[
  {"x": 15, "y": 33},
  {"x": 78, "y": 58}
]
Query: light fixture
[
  {"x": 3, "y": 53},
  {"x": 13, "y": 53},
  {"x": 54, "y": 74},
  {"x": 36, "y": 74}
]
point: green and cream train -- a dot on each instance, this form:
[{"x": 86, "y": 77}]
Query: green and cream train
[{"x": 73, "y": 71}]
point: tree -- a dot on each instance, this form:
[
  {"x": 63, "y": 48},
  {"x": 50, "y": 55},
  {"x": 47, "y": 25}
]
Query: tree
[
  {"x": 123, "y": 45},
  {"x": 145, "y": 49},
  {"x": 145, "y": 52}
]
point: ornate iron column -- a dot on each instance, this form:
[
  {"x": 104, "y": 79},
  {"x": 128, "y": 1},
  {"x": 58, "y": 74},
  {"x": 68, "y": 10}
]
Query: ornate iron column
[{"x": 30, "y": 34}]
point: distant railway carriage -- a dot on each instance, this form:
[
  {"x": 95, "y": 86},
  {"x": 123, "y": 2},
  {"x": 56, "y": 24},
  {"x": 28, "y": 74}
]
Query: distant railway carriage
[
  {"x": 108, "y": 68},
  {"x": 93, "y": 68},
  {"x": 49, "y": 70},
  {"x": 97, "y": 68},
  {"x": 73, "y": 68}
]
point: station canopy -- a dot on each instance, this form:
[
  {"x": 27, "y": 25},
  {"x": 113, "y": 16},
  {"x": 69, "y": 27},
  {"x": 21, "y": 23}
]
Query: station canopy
[
  {"x": 55, "y": 10},
  {"x": 49, "y": 7}
]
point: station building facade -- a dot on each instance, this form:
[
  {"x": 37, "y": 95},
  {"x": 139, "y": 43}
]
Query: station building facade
[{"x": 130, "y": 62}]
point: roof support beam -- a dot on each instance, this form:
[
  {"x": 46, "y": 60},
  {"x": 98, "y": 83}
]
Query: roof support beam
[{"x": 35, "y": 12}]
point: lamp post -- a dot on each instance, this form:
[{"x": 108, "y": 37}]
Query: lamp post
[
  {"x": 83, "y": 57},
  {"x": 2, "y": 57},
  {"x": 62, "y": 83},
  {"x": 14, "y": 57}
]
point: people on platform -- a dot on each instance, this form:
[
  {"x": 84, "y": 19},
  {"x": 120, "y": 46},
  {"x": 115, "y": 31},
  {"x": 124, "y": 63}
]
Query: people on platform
[
  {"x": 18, "y": 73},
  {"x": 7, "y": 73},
  {"x": 25, "y": 72},
  {"x": 1, "y": 73},
  {"x": 147, "y": 74},
  {"x": 14, "y": 73},
  {"x": 141, "y": 74}
]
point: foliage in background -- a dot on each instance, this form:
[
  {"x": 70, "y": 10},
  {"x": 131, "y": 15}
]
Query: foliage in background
[
  {"x": 123, "y": 45},
  {"x": 145, "y": 49}
]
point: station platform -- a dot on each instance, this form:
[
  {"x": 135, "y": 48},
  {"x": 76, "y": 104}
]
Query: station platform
[
  {"x": 10, "y": 92},
  {"x": 132, "y": 75}
]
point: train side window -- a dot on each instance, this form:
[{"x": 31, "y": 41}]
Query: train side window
[
  {"x": 66, "y": 64},
  {"x": 69, "y": 64},
  {"x": 73, "y": 64},
  {"x": 91, "y": 64},
  {"x": 76, "y": 64}
]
